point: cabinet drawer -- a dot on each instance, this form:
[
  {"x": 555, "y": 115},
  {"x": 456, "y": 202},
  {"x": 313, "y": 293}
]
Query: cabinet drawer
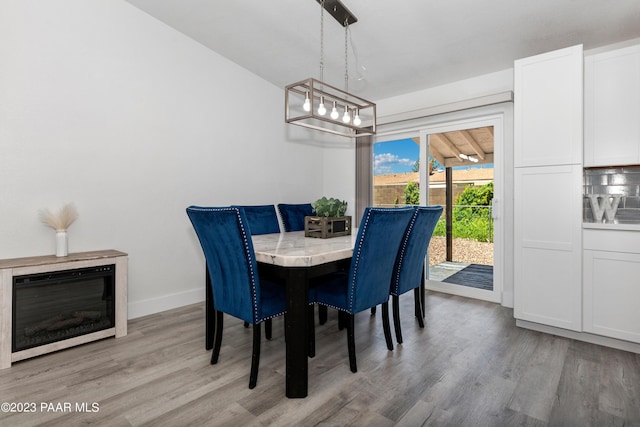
[{"x": 611, "y": 240}]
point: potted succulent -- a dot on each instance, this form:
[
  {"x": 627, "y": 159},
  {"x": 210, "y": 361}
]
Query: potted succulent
[{"x": 329, "y": 219}]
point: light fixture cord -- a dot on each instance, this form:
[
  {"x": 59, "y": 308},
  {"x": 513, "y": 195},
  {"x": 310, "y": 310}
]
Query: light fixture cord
[
  {"x": 346, "y": 55},
  {"x": 359, "y": 69},
  {"x": 322, "y": 41}
]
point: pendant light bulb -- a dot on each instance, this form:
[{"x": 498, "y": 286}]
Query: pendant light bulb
[
  {"x": 356, "y": 118},
  {"x": 321, "y": 108},
  {"x": 334, "y": 111},
  {"x": 307, "y": 103},
  {"x": 346, "y": 118}
]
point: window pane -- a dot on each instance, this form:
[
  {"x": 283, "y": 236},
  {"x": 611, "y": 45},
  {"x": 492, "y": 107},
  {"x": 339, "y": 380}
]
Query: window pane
[{"x": 396, "y": 172}]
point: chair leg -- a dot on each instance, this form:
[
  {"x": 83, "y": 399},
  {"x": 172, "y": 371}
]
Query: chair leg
[
  {"x": 341, "y": 320},
  {"x": 255, "y": 357},
  {"x": 385, "y": 325},
  {"x": 422, "y": 294},
  {"x": 209, "y": 313},
  {"x": 218, "y": 340},
  {"x": 322, "y": 314},
  {"x": 351, "y": 342},
  {"x": 373, "y": 310},
  {"x": 311, "y": 332},
  {"x": 210, "y": 325},
  {"x": 419, "y": 309},
  {"x": 395, "y": 300},
  {"x": 267, "y": 329},
  {"x": 416, "y": 302}
]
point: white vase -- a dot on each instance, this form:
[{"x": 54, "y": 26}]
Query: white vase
[{"x": 62, "y": 244}]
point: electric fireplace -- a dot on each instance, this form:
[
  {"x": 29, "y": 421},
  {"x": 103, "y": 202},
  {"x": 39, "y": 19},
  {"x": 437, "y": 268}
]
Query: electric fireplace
[
  {"x": 49, "y": 303},
  {"x": 50, "y": 307}
]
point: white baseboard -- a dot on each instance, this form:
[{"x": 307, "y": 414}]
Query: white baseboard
[
  {"x": 581, "y": 336},
  {"x": 163, "y": 303}
]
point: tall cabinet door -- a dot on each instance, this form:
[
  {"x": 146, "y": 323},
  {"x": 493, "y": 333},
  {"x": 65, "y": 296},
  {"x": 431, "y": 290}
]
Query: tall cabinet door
[
  {"x": 548, "y": 248},
  {"x": 548, "y": 188},
  {"x": 612, "y": 108},
  {"x": 548, "y": 108}
]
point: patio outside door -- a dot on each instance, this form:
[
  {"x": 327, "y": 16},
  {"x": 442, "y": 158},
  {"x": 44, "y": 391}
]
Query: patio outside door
[{"x": 462, "y": 273}]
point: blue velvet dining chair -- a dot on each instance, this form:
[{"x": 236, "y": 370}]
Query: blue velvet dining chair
[
  {"x": 408, "y": 272},
  {"x": 293, "y": 215},
  {"x": 237, "y": 288},
  {"x": 262, "y": 219},
  {"x": 367, "y": 283}
]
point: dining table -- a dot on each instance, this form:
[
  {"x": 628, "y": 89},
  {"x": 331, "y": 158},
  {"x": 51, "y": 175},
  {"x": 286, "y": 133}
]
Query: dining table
[{"x": 296, "y": 260}]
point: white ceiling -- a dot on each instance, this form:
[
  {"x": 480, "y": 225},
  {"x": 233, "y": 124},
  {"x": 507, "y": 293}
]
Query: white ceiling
[{"x": 400, "y": 46}]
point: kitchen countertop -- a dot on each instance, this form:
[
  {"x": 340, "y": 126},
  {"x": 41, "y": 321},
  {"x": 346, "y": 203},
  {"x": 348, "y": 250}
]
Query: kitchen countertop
[{"x": 611, "y": 226}]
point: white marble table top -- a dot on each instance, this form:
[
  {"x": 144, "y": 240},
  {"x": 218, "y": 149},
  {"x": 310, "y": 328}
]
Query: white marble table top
[{"x": 292, "y": 249}]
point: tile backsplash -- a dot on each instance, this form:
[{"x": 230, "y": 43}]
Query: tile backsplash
[{"x": 608, "y": 182}]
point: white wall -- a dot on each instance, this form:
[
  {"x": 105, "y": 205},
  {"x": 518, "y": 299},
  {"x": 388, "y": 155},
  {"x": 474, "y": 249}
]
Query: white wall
[
  {"x": 106, "y": 107},
  {"x": 336, "y": 177},
  {"x": 475, "y": 87}
]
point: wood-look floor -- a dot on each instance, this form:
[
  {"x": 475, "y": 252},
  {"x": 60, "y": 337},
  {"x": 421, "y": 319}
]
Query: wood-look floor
[{"x": 470, "y": 366}]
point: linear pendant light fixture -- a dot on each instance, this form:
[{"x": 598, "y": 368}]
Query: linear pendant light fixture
[{"x": 317, "y": 105}]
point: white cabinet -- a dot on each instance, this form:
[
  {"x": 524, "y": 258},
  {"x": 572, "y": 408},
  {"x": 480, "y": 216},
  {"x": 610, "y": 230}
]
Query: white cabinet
[
  {"x": 548, "y": 188},
  {"x": 612, "y": 108},
  {"x": 547, "y": 259},
  {"x": 612, "y": 284},
  {"x": 548, "y": 108}
]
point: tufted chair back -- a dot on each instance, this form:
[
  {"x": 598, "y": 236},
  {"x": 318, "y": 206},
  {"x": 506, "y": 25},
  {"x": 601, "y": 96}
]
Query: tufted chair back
[
  {"x": 409, "y": 263},
  {"x": 379, "y": 236},
  {"x": 261, "y": 219},
  {"x": 228, "y": 251},
  {"x": 293, "y": 215}
]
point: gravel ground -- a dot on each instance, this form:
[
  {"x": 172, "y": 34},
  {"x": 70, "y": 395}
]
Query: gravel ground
[{"x": 467, "y": 251}]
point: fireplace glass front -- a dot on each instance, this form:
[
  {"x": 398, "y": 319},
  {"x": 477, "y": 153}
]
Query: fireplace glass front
[{"x": 54, "y": 306}]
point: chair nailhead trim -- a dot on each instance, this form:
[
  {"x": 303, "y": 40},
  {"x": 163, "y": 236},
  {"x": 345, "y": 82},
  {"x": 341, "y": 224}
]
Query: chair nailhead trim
[
  {"x": 250, "y": 260},
  {"x": 252, "y": 273},
  {"x": 403, "y": 252},
  {"x": 357, "y": 260},
  {"x": 336, "y": 308}
]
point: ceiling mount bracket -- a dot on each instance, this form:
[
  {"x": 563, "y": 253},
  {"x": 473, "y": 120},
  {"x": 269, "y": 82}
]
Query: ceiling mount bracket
[{"x": 339, "y": 12}]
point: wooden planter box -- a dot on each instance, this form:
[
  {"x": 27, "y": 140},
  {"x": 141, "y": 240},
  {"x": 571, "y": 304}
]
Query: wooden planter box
[{"x": 325, "y": 227}]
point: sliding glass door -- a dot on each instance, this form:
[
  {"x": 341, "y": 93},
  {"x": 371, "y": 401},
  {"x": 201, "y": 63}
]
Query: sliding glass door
[
  {"x": 459, "y": 164},
  {"x": 462, "y": 253}
]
